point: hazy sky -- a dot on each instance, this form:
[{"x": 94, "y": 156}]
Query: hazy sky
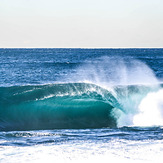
[{"x": 81, "y": 23}]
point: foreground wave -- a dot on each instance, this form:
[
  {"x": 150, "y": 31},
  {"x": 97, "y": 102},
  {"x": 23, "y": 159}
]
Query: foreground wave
[{"x": 69, "y": 105}]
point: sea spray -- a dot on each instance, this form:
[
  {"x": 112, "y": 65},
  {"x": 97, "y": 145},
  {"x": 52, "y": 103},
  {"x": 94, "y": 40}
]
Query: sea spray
[
  {"x": 108, "y": 71},
  {"x": 118, "y": 75}
]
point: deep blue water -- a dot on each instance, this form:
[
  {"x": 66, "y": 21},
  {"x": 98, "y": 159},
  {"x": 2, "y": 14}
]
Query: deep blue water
[
  {"x": 81, "y": 104},
  {"x": 38, "y": 66}
]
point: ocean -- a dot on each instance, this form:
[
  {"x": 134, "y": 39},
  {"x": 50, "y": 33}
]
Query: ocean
[{"x": 75, "y": 105}]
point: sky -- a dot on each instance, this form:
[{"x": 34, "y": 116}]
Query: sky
[{"x": 81, "y": 23}]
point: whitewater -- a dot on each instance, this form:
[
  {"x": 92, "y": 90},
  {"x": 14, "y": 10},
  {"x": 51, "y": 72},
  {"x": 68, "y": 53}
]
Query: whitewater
[{"x": 69, "y": 105}]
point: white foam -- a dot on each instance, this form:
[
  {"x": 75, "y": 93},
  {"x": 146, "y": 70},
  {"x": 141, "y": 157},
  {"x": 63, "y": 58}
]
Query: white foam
[
  {"x": 150, "y": 110},
  {"x": 116, "y": 150}
]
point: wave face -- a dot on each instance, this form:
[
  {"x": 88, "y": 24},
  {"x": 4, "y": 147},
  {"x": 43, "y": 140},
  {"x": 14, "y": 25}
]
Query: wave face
[
  {"x": 71, "y": 105},
  {"x": 54, "y": 106}
]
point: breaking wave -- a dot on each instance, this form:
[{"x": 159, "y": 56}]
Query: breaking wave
[
  {"x": 102, "y": 93},
  {"x": 69, "y": 105}
]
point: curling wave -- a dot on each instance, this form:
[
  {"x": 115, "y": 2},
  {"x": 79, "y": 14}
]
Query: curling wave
[{"x": 68, "y": 105}]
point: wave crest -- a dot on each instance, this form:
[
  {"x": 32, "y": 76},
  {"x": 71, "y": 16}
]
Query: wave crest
[{"x": 69, "y": 105}]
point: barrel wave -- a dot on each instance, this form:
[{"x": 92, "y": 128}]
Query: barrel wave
[
  {"x": 67, "y": 105},
  {"x": 76, "y": 105}
]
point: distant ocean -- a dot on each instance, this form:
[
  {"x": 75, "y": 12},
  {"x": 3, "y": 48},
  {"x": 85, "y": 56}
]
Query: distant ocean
[{"x": 75, "y": 105}]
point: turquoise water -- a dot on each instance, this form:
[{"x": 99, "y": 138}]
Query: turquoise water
[{"x": 81, "y": 105}]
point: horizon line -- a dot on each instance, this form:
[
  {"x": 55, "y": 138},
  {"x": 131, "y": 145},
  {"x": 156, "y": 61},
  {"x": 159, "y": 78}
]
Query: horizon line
[{"x": 81, "y": 47}]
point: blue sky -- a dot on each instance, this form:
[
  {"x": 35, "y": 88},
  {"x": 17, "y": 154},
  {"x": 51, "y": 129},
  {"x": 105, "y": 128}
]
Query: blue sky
[{"x": 81, "y": 23}]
